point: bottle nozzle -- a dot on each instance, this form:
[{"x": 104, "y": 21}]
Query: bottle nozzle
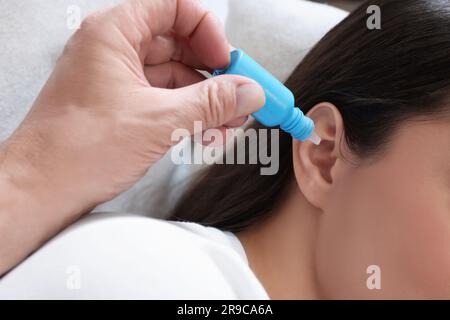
[{"x": 314, "y": 138}]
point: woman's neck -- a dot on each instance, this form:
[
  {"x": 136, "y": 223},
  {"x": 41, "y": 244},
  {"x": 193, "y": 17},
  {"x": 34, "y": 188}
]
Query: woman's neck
[{"x": 281, "y": 249}]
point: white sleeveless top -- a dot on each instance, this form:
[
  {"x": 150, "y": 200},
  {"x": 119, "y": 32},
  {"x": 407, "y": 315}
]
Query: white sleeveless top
[{"x": 120, "y": 256}]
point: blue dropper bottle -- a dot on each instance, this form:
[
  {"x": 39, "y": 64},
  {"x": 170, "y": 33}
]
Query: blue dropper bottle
[{"x": 279, "y": 109}]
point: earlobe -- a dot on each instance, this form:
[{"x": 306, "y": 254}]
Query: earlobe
[{"x": 315, "y": 166}]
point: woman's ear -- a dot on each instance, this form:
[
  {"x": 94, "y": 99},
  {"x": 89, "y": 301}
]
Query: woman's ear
[{"x": 316, "y": 166}]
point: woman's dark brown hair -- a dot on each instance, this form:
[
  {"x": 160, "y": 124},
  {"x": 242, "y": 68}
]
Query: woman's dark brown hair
[{"x": 376, "y": 78}]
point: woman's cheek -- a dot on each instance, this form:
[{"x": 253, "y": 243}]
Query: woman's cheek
[
  {"x": 426, "y": 244},
  {"x": 414, "y": 232},
  {"x": 399, "y": 227}
]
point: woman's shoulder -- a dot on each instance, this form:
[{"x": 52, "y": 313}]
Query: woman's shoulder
[{"x": 126, "y": 256}]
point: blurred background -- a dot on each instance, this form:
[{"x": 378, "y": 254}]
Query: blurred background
[{"x": 348, "y": 5}]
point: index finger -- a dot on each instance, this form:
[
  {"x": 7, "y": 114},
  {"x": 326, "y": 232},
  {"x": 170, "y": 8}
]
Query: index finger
[{"x": 188, "y": 19}]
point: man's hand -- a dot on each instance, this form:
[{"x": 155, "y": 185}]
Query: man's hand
[{"x": 125, "y": 81}]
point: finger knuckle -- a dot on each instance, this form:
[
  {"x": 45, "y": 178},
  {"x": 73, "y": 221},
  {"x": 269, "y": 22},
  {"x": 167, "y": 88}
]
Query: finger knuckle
[
  {"x": 221, "y": 100},
  {"x": 89, "y": 23},
  {"x": 88, "y": 32},
  {"x": 91, "y": 26}
]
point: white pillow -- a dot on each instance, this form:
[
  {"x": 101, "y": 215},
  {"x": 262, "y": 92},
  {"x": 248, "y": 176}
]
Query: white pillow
[
  {"x": 32, "y": 36},
  {"x": 278, "y": 34}
]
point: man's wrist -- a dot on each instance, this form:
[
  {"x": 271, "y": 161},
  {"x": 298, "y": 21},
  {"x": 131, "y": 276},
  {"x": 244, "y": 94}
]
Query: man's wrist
[
  {"x": 32, "y": 207},
  {"x": 18, "y": 173},
  {"x": 17, "y": 207}
]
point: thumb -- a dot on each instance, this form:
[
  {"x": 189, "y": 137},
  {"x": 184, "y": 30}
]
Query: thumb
[{"x": 218, "y": 100}]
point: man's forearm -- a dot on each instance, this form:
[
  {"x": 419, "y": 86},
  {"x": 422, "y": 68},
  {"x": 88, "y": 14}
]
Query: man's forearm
[{"x": 31, "y": 211}]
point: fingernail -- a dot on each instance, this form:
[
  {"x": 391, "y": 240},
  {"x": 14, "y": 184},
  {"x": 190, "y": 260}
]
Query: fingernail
[{"x": 249, "y": 98}]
